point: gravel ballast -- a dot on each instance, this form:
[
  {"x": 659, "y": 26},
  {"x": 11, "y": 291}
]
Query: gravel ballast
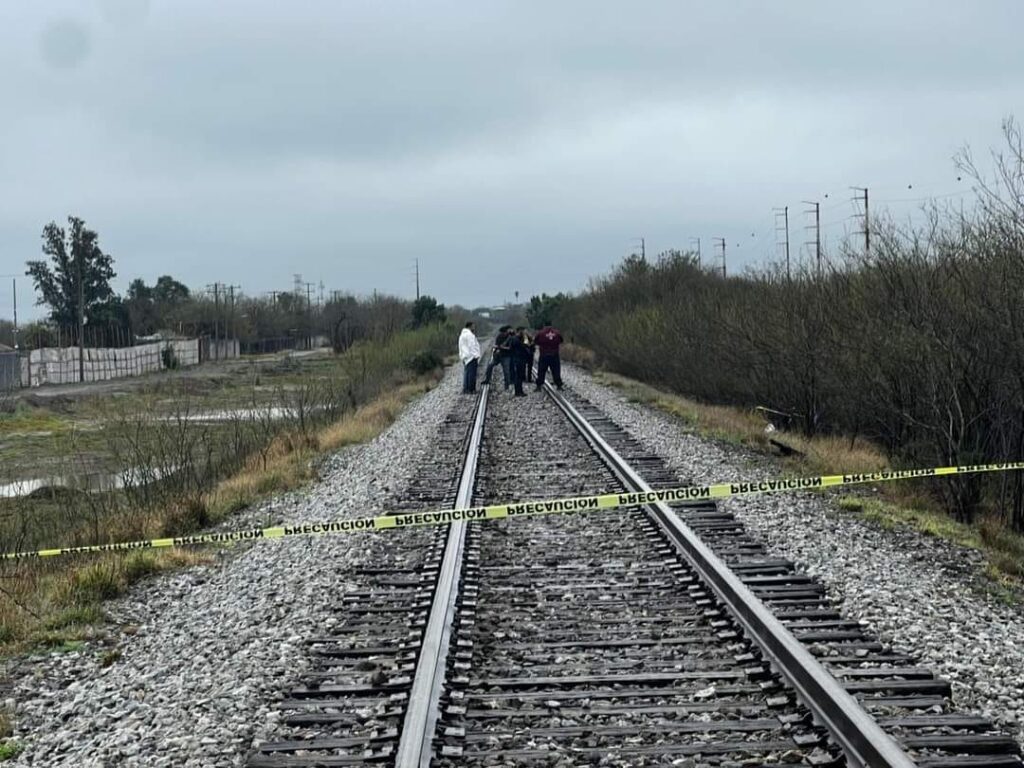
[
  {"x": 203, "y": 652},
  {"x": 919, "y": 593}
]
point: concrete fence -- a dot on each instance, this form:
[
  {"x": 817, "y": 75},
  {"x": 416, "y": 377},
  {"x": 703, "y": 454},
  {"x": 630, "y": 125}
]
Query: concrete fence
[
  {"x": 61, "y": 365},
  {"x": 10, "y": 370}
]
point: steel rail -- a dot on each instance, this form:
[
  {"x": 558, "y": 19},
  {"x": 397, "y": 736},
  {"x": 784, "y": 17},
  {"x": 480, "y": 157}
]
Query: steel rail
[
  {"x": 416, "y": 745},
  {"x": 853, "y": 729}
]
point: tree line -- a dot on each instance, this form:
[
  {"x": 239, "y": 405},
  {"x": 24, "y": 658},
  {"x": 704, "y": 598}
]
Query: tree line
[
  {"x": 917, "y": 345},
  {"x": 74, "y": 282}
]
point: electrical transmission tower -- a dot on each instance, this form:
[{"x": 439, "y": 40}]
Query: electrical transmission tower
[
  {"x": 816, "y": 226},
  {"x": 720, "y": 242},
  {"x": 784, "y": 231},
  {"x": 866, "y": 230}
]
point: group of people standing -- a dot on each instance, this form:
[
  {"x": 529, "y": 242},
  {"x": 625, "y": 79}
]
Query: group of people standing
[{"x": 513, "y": 351}]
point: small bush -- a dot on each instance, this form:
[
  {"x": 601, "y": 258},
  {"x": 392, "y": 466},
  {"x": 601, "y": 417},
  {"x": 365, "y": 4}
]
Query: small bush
[
  {"x": 424, "y": 362},
  {"x": 9, "y": 750},
  {"x": 185, "y": 517},
  {"x": 95, "y": 582},
  {"x": 170, "y": 359}
]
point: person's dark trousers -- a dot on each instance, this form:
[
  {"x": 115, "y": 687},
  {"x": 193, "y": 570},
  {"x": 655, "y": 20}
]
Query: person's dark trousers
[
  {"x": 553, "y": 363},
  {"x": 518, "y": 369},
  {"x": 469, "y": 377},
  {"x": 506, "y": 370},
  {"x": 490, "y": 367},
  {"x": 529, "y": 367}
]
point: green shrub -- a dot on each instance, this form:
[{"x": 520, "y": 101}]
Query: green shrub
[{"x": 424, "y": 362}]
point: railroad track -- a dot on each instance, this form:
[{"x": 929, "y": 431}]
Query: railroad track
[{"x": 609, "y": 638}]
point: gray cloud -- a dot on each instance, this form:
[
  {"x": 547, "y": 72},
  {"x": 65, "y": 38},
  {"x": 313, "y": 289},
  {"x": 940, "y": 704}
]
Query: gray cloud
[{"x": 508, "y": 145}]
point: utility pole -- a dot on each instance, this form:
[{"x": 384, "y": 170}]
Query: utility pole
[
  {"x": 14, "y": 286},
  {"x": 720, "y": 242},
  {"x": 696, "y": 240},
  {"x": 817, "y": 231},
  {"x": 417, "y": 279},
  {"x": 863, "y": 197},
  {"x": 309, "y": 315},
  {"x": 215, "y": 287},
  {"x": 231, "y": 312},
  {"x": 784, "y": 212},
  {"x": 81, "y": 318}
]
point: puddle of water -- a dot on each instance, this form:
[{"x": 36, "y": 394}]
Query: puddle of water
[
  {"x": 91, "y": 483},
  {"x": 275, "y": 413}
]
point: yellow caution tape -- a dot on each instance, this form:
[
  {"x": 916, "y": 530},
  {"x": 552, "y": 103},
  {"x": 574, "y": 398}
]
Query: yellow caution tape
[{"x": 501, "y": 511}]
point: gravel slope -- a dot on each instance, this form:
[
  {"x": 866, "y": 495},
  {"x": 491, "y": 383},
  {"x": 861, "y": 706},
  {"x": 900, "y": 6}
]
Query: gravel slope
[
  {"x": 194, "y": 683},
  {"x": 917, "y": 592}
]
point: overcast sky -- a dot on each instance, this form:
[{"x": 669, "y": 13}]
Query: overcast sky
[{"x": 508, "y": 145}]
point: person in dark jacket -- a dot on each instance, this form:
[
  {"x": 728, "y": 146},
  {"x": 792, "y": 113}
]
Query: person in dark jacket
[
  {"x": 517, "y": 351},
  {"x": 548, "y": 340},
  {"x": 531, "y": 348},
  {"x": 500, "y": 356}
]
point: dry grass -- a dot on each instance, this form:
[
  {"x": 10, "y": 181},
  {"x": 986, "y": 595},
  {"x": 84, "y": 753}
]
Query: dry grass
[
  {"x": 821, "y": 455},
  {"x": 574, "y": 353},
  {"x": 55, "y": 604},
  {"x": 27, "y": 420},
  {"x": 829, "y": 454},
  {"x": 1003, "y": 548},
  {"x": 290, "y": 463},
  {"x": 51, "y": 605}
]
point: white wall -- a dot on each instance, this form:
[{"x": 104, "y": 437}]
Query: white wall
[{"x": 60, "y": 365}]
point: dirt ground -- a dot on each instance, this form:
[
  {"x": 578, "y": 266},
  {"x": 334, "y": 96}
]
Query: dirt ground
[{"x": 49, "y": 394}]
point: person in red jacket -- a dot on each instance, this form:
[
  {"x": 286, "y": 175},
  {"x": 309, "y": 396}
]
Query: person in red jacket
[{"x": 548, "y": 340}]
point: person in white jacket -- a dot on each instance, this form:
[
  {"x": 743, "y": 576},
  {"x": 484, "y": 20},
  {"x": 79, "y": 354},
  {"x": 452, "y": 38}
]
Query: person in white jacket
[{"x": 469, "y": 353}]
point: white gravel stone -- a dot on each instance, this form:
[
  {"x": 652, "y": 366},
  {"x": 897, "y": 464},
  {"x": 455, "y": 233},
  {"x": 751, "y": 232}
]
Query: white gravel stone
[
  {"x": 196, "y": 682},
  {"x": 923, "y": 595}
]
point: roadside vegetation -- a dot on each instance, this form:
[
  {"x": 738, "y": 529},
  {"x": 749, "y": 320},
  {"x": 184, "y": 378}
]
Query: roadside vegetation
[
  {"x": 188, "y": 452},
  {"x": 912, "y": 353},
  {"x": 904, "y": 504}
]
